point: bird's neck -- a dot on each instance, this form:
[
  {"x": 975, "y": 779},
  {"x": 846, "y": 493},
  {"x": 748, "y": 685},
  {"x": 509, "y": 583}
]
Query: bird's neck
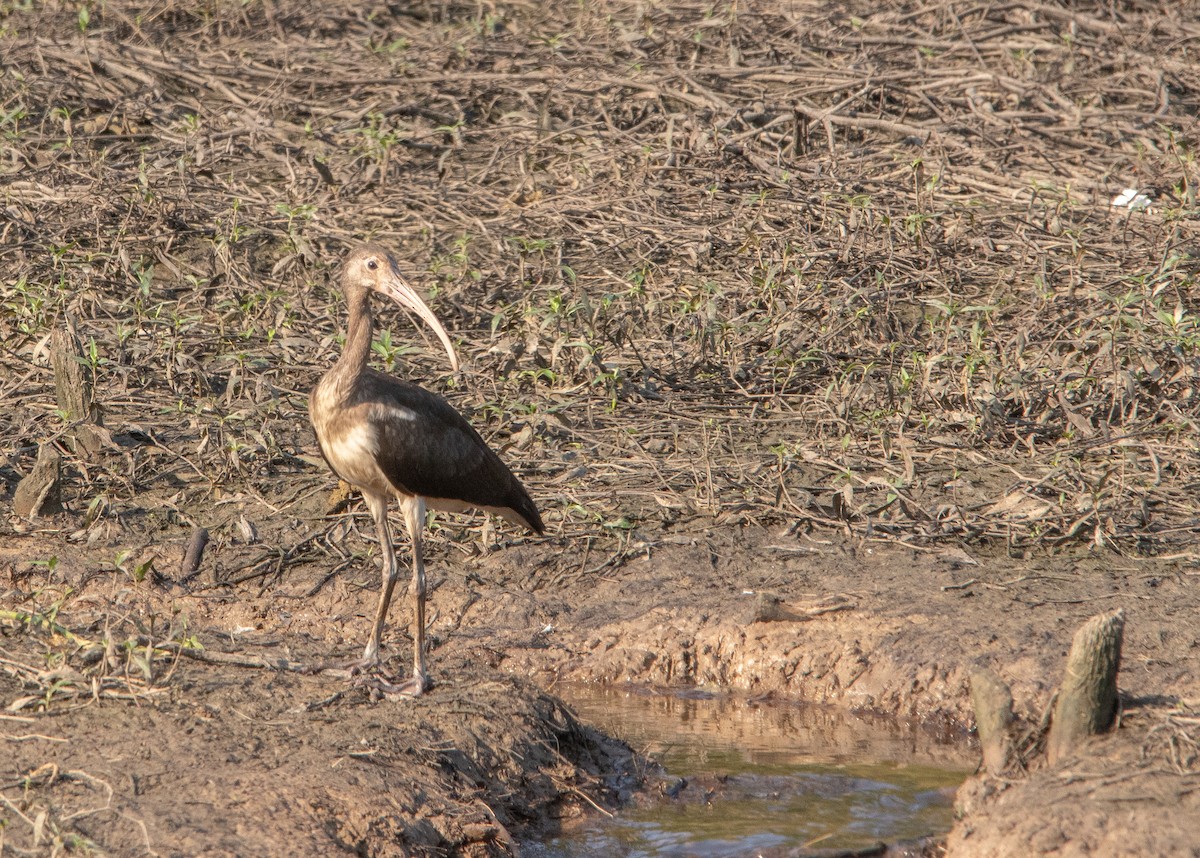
[{"x": 357, "y": 349}]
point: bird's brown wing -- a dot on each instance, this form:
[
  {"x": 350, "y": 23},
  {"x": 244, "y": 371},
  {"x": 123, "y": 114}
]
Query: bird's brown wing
[{"x": 427, "y": 448}]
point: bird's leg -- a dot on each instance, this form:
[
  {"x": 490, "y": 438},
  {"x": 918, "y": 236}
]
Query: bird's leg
[
  {"x": 391, "y": 572},
  {"x": 414, "y": 517}
]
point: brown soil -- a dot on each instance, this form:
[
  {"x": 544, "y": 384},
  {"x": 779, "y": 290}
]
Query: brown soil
[
  {"x": 279, "y": 762},
  {"x": 810, "y": 326},
  {"x": 177, "y": 756}
]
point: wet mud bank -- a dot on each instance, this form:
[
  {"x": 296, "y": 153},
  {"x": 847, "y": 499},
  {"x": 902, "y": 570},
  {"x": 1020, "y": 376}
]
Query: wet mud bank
[
  {"x": 756, "y": 776},
  {"x": 254, "y": 762},
  {"x": 105, "y": 736},
  {"x": 883, "y": 628},
  {"x": 1133, "y": 792}
]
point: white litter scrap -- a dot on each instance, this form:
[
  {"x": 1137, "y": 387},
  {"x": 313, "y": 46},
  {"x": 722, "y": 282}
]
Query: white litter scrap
[{"x": 1132, "y": 198}]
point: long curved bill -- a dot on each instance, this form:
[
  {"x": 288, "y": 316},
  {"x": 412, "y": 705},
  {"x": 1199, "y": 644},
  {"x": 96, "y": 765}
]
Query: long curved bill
[{"x": 396, "y": 288}]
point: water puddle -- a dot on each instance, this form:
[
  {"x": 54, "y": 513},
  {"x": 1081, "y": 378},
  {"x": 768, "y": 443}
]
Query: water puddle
[{"x": 748, "y": 778}]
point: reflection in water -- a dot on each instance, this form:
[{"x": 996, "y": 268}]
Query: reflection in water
[{"x": 764, "y": 776}]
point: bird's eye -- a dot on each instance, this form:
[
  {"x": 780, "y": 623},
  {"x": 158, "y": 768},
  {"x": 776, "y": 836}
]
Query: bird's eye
[{"x": 372, "y": 264}]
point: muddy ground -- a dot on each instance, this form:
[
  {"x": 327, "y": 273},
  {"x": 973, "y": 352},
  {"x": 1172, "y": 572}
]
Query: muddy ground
[{"x": 812, "y": 328}]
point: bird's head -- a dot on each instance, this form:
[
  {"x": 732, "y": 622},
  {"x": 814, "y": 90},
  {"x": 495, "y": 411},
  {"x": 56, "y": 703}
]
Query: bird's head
[{"x": 374, "y": 269}]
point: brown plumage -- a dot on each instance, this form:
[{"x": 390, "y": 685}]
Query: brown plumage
[{"x": 390, "y": 438}]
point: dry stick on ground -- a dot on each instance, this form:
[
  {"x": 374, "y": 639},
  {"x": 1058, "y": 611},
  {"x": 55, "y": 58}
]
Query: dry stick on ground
[
  {"x": 195, "y": 553},
  {"x": 252, "y": 661},
  {"x": 1087, "y": 701}
]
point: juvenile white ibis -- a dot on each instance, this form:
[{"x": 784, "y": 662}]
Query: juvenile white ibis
[{"x": 390, "y": 438}]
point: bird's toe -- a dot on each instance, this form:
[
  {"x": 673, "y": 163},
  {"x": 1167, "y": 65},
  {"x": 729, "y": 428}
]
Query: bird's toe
[{"x": 414, "y": 686}]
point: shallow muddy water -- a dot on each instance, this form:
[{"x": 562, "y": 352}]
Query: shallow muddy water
[{"x": 746, "y": 777}]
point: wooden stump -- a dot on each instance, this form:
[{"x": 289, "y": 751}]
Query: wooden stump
[
  {"x": 73, "y": 391},
  {"x": 1087, "y": 700},
  {"x": 37, "y": 494},
  {"x": 993, "y": 704}
]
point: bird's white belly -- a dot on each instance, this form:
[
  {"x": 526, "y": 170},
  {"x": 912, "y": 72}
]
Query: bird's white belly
[{"x": 353, "y": 453}]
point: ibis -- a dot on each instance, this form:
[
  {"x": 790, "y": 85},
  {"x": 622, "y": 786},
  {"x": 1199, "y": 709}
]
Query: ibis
[{"x": 392, "y": 439}]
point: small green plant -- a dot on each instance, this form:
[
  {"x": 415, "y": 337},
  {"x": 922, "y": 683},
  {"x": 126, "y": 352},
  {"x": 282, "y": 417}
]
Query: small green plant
[
  {"x": 91, "y": 357},
  {"x": 456, "y": 264},
  {"x": 10, "y": 120},
  {"x": 189, "y": 124},
  {"x": 389, "y": 47},
  {"x": 30, "y": 306},
  {"x": 228, "y": 230},
  {"x": 377, "y": 137},
  {"x": 49, "y": 564},
  {"x": 136, "y": 571},
  {"x": 490, "y": 23},
  {"x": 296, "y": 212},
  {"x": 531, "y": 246},
  {"x": 388, "y": 350},
  {"x": 553, "y": 42},
  {"x": 63, "y": 115}
]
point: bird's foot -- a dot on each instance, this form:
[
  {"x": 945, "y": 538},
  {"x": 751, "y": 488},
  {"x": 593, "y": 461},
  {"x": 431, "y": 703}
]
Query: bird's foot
[
  {"x": 414, "y": 686},
  {"x": 367, "y": 672},
  {"x": 364, "y": 666}
]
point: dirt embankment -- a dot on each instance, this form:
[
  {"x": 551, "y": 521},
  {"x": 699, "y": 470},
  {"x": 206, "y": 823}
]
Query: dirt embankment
[
  {"x": 132, "y": 749},
  {"x": 487, "y": 755},
  {"x": 811, "y": 327}
]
